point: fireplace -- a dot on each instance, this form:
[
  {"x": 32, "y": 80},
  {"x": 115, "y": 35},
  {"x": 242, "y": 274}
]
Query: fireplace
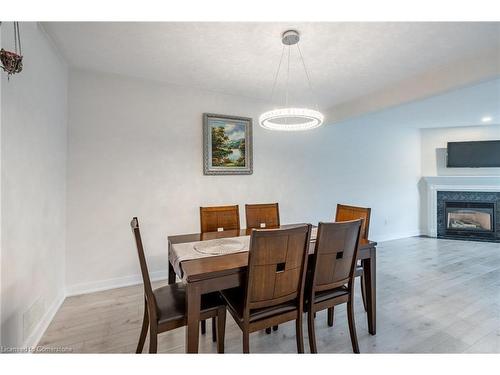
[
  {"x": 469, "y": 219},
  {"x": 468, "y": 215}
]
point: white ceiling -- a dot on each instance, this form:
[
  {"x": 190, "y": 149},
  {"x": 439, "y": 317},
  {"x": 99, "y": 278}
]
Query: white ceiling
[{"x": 345, "y": 60}]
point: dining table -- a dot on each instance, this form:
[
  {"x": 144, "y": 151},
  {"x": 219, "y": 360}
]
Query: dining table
[{"x": 202, "y": 272}]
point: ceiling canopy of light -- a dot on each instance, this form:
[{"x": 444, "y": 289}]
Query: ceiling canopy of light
[{"x": 291, "y": 118}]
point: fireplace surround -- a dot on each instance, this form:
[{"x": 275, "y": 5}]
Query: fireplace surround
[{"x": 468, "y": 215}]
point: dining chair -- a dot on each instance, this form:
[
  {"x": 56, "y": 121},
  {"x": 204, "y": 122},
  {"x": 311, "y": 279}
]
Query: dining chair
[
  {"x": 260, "y": 216},
  {"x": 345, "y": 213},
  {"x": 274, "y": 286},
  {"x": 216, "y": 219},
  {"x": 331, "y": 280},
  {"x": 165, "y": 307},
  {"x": 213, "y": 219}
]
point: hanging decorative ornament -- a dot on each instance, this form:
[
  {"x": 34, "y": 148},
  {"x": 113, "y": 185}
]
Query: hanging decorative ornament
[
  {"x": 291, "y": 118},
  {"x": 12, "y": 62}
]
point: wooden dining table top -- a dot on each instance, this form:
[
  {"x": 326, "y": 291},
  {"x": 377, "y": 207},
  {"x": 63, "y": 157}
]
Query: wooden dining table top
[{"x": 216, "y": 266}]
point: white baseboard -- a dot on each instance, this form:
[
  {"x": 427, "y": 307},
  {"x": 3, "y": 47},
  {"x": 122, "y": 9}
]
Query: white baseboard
[
  {"x": 35, "y": 337},
  {"x": 101, "y": 285},
  {"x": 84, "y": 288},
  {"x": 119, "y": 282},
  {"x": 397, "y": 236}
]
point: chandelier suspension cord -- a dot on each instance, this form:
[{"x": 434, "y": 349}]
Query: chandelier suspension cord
[
  {"x": 308, "y": 78},
  {"x": 277, "y": 73},
  {"x": 287, "y": 78},
  {"x": 287, "y": 82}
]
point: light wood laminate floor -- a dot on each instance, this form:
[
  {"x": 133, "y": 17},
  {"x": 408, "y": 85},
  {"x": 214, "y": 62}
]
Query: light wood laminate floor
[{"x": 433, "y": 296}]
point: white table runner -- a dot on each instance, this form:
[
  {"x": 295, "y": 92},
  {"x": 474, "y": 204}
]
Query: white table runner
[{"x": 210, "y": 248}]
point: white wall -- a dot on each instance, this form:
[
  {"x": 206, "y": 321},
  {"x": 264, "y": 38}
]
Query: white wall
[
  {"x": 135, "y": 148},
  {"x": 434, "y": 143},
  {"x": 33, "y": 184}
]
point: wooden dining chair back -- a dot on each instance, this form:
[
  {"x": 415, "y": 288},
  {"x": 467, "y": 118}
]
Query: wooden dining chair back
[
  {"x": 148, "y": 290},
  {"x": 213, "y": 219},
  {"x": 331, "y": 281},
  {"x": 165, "y": 307},
  {"x": 276, "y": 266},
  {"x": 347, "y": 213},
  {"x": 334, "y": 260},
  {"x": 260, "y": 216},
  {"x": 274, "y": 288},
  {"x": 217, "y": 219}
]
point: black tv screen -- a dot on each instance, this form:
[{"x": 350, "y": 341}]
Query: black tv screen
[{"x": 477, "y": 154}]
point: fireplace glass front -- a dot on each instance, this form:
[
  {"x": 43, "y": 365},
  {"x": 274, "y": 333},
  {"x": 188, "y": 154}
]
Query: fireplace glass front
[{"x": 469, "y": 217}]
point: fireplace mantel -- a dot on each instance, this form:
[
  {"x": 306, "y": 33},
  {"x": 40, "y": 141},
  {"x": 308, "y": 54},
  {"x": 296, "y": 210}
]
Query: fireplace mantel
[{"x": 453, "y": 183}]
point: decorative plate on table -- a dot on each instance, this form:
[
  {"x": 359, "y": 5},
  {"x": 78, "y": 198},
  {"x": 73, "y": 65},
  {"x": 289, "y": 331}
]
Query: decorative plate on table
[{"x": 220, "y": 246}]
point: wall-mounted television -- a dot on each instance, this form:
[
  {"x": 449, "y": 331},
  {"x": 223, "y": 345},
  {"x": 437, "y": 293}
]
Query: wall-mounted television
[{"x": 474, "y": 154}]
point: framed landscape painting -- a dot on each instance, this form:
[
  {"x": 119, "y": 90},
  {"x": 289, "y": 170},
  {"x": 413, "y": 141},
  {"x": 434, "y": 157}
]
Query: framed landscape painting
[{"x": 227, "y": 144}]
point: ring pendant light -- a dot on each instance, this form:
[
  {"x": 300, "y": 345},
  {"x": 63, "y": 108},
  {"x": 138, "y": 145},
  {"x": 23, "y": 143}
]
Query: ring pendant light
[{"x": 291, "y": 118}]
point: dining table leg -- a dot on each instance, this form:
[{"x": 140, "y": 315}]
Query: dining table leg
[
  {"x": 369, "y": 274},
  {"x": 193, "y": 302}
]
